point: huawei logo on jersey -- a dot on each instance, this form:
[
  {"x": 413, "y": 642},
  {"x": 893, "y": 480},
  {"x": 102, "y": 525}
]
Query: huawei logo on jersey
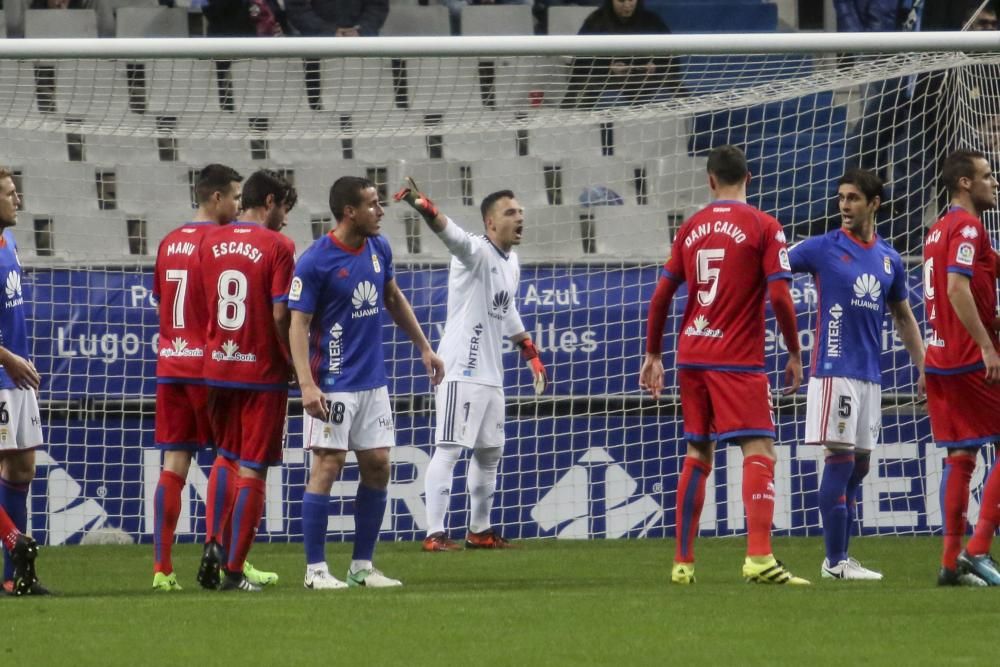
[
  {"x": 13, "y": 284},
  {"x": 867, "y": 290},
  {"x": 501, "y": 304},
  {"x": 364, "y": 299}
]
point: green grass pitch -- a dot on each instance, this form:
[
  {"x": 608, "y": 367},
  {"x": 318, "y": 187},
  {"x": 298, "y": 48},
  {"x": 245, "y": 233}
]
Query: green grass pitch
[{"x": 548, "y": 603}]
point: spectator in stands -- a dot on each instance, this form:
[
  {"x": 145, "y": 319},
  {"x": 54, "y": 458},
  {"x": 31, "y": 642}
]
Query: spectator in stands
[
  {"x": 245, "y": 18},
  {"x": 455, "y": 8},
  {"x": 337, "y": 18},
  {"x": 612, "y": 81},
  {"x": 333, "y": 18}
]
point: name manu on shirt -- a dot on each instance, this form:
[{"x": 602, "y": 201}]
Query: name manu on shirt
[{"x": 719, "y": 226}]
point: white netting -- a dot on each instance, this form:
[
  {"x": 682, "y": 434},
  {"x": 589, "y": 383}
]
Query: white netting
[{"x": 105, "y": 152}]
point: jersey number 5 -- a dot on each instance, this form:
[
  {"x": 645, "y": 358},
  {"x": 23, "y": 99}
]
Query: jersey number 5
[
  {"x": 709, "y": 274},
  {"x": 232, "y": 299}
]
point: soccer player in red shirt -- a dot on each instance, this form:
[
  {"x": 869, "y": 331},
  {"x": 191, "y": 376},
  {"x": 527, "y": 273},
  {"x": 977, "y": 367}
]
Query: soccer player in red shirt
[
  {"x": 730, "y": 254},
  {"x": 247, "y": 270},
  {"x": 960, "y": 275},
  {"x": 182, "y": 426}
]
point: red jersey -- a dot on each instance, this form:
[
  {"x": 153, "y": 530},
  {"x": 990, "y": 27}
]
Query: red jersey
[
  {"x": 183, "y": 317},
  {"x": 726, "y": 252},
  {"x": 246, "y": 269},
  {"x": 957, "y": 243}
]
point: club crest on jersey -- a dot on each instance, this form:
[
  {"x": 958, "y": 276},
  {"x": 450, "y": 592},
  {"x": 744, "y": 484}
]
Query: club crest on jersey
[
  {"x": 887, "y": 266},
  {"x": 965, "y": 254},
  {"x": 375, "y": 263},
  {"x": 295, "y": 292}
]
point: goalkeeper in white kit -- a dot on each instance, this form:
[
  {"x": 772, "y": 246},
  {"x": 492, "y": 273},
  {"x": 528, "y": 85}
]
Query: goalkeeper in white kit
[{"x": 482, "y": 284}]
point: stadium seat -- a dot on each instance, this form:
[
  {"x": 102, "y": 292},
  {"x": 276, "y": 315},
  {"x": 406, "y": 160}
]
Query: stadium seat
[
  {"x": 567, "y": 20},
  {"x": 358, "y": 86},
  {"x": 59, "y": 187},
  {"x": 21, "y": 147},
  {"x": 152, "y": 189},
  {"x": 108, "y": 15},
  {"x": 477, "y": 144},
  {"x": 441, "y": 179},
  {"x": 436, "y": 84},
  {"x": 493, "y": 20},
  {"x": 632, "y": 232},
  {"x": 153, "y": 21},
  {"x": 59, "y": 23},
  {"x": 710, "y": 16},
  {"x": 407, "y": 21},
  {"x": 378, "y": 148},
  {"x": 555, "y": 143},
  {"x": 645, "y": 139},
  {"x": 551, "y": 232},
  {"x": 582, "y": 180},
  {"x": 524, "y": 175},
  {"x": 186, "y": 89},
  {"x": 267, "y": 88},
  {"x": 3, "y": 23}
]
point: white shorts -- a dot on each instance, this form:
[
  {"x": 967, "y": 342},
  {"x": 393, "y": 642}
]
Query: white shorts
[
  {"x": 843, "y": 412},
  {"x": 358, "y": 420},
  {"x": 20, "y": 419},
  {"x": 469, "y": 414}
]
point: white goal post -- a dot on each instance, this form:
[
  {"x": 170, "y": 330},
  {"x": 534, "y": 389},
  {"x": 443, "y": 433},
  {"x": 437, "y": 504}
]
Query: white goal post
[{"x": 105, "y": 137}]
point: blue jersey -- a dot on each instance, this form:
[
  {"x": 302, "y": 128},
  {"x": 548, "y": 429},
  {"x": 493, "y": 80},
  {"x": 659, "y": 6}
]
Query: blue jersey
[
  {"x": 13, "y": 330},
  {"x": 344, "y": 290},
  {"x": 855, "y": 282}
]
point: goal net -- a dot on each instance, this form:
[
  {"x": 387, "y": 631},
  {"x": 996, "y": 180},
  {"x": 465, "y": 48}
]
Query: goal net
[{"x": 606, "y": 151}]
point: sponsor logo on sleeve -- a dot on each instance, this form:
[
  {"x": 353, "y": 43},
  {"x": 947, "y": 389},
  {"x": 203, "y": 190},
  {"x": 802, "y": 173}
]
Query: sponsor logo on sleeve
[
  {"x": 375, "y": 263},
  {"x": 965, "y": 254},
  {"x": 969, "y": 232},
  {"x": 887, "y": 266},
  {"x": 295, "y": 293},
  {"x": 783, "y": 260}
]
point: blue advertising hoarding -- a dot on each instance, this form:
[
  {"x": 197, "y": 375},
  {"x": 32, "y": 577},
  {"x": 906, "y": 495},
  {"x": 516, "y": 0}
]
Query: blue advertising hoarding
[{"x": 580, "y": 474}]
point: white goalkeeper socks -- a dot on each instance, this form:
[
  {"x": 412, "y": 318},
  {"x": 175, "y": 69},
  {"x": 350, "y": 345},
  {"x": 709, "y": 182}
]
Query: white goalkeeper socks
[
  {"x": 482, "y": 486},
  {"x": 437, "y": 485}
]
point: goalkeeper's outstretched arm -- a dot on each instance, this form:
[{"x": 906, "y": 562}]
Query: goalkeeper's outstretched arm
[{"x": 423, "y": 205}]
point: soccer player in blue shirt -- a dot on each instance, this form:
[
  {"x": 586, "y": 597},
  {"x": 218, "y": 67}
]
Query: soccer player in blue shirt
[
  {"x": 20, "y": 419},
  {"x": 342, "y": 285},
  {"x": 858, "y": 277}
]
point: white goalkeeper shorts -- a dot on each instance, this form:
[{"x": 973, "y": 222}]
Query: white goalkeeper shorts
[
  {"x": 843, "y": 413},
  {"x": 20, "y": 420},
  {"x": 469, "y": 414},
  {"x": 358, "y": 420}
]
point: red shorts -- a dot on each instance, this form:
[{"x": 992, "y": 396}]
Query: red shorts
[
  {"x": 182, "y": 417},
  {"x": 720, "y": 405},
  {"x": 964, "y": 410},
  {"x": 249, "y": 426}
]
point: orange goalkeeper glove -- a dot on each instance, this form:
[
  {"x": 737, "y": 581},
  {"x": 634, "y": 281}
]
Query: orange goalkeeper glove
[
  {"x": 530, "y": 354},
  {"x": 418, "y": 200}
]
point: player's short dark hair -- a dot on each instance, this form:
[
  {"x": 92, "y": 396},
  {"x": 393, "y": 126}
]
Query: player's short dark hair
[
  {"x": 215, "y": 178},
  {"x": 266, "y": 182},
  {"x": 346, "y": 191},
  {"x": 728, "y": 164},
  {"x": 960, "y": 164},
  {"x": 867, "y": 182},
  {"x": 493, "y": 198}
]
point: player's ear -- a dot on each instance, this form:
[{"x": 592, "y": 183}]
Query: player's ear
[{"x": 748, "y": 178}]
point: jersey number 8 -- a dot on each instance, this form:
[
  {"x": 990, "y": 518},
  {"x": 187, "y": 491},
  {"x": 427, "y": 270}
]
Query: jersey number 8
[{"x": 232, "y": 299}]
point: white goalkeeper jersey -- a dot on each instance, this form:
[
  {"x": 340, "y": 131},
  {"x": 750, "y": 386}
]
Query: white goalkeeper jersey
[{"x": 482, "y": 286}]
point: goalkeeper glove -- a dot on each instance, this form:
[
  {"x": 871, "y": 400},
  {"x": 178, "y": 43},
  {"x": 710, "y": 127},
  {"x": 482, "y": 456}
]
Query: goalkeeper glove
[
  {"x": 418, "y": 200},
  {"x": 530, "y": 354}
]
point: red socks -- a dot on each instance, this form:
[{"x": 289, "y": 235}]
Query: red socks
[
  {"x": 221, "y": 496},
  {"x": 758, "y": 502},
  {"x": 166, "y": 510},
  {"x": 955, "y": 505},
  {"x": 247, "y": 511},
  {"x": 989, "y": 516},
  {"x": 8, "y": 531},
  {"x": 690, "y": 500}
]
